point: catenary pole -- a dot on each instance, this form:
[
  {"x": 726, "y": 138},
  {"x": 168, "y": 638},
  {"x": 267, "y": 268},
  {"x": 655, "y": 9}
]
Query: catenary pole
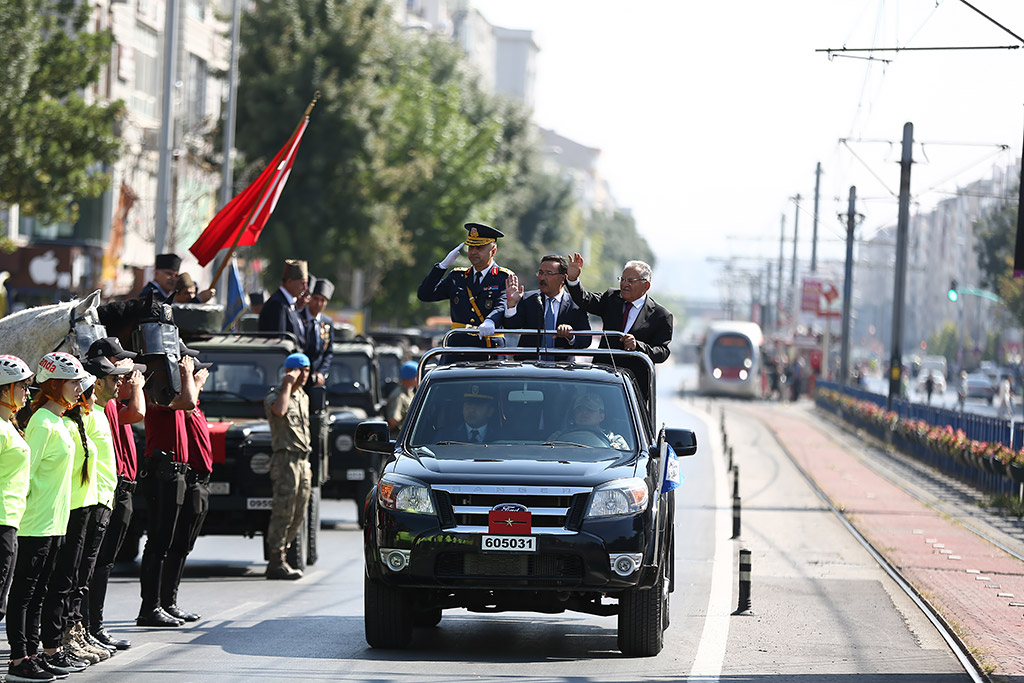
[
  {"x": 899, "y": 288},
  {"x": 814, "y": 232},
  {"x": 844, "y": 354}
]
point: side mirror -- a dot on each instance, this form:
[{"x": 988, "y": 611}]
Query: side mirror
[
  {"x": 373, "y": 436},
  {"x": 683, "y": 441}
]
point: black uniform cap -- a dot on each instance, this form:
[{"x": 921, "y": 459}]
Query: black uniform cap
[
  {"x": 480, "y": 234},
  {"x": 167, "y": 262}
]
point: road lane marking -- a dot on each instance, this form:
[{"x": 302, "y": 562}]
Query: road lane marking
[
  {"x": 136, "y": 653},
  {"x": 707, "y": 664}
]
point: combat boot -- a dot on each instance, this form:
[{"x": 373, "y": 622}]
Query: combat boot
[
  {"x": 279, "y": 569},
  {"x": 74, "y": 648},
  {"x": 78, "y": 633}
]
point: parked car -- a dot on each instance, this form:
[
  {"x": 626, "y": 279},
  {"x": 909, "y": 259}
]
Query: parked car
[{"x": 980, "y": 386}]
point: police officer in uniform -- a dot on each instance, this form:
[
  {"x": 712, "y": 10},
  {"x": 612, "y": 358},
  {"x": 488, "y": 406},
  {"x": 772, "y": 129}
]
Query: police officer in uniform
[
  {"x": 165, "y": 277},
  {"x": 472, "y": 292},
  {"x": 319, "y": 332}
]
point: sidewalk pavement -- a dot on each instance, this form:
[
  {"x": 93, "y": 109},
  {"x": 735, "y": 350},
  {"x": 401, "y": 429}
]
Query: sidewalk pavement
[{"x": 975, "y": 585}]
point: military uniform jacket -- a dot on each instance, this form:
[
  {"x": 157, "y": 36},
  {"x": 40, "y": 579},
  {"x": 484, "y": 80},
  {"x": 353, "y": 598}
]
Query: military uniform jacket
[
  {"x": 290, "y": 432},
  {"x": 468, "y": 304},
  {"x": 158, "y": 295},
  {"x": 319, "y": 341}
]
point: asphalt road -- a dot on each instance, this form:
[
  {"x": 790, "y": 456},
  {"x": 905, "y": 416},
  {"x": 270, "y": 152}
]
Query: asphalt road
[{"x": 822, "y": 610}]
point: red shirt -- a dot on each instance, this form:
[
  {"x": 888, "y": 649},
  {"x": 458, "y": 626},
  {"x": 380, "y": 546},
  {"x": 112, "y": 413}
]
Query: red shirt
[
  {"x": 165, "y": 431},
  {"x": 124, "y": 442},
  {"x": 200, "y": 451}
]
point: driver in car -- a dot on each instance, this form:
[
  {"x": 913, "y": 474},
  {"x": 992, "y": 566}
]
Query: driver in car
[
  {"x": 587, "y": 416},
  {"x": 476, "y": 425}
]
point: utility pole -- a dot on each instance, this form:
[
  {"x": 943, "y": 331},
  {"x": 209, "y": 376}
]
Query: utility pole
[
  {"x": 778, "y": 275},
  {"x": 796, "y": 230},
  {"x": 163, "y": 181},
  {"x": 814, "y": 234},
  {"x": 227, "y": 175},
  {"x": 767, "y": 313},
  {"x": 900, "y": 276},
  {"x": 844, "y": 354}
]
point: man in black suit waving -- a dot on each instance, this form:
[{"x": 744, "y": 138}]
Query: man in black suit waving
[
  {"x": 647, "y": 324},
  {"x": 279, "y": 314},
  {"x": 548, "y": 308}
]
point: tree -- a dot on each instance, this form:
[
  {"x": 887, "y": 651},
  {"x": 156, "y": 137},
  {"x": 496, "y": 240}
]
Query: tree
[
  {"x": 996, "y": 235},
  {"x": 54, "y": 144},
  {"x": 400, "y": 151},
  {"x": 614, "y": 241}
]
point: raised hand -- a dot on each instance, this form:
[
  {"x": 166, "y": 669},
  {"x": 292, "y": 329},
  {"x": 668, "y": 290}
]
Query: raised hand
[
  {"x": 452, "y": 256},
  {"x": 575, "y": 267},
  {"x": 513, "y": 291}
]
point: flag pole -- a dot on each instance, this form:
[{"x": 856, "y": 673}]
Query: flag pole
[{"x": 263, "y": 190}]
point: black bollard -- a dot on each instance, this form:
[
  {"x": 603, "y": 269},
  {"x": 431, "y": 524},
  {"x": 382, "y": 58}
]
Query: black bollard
[
  {"x": 735, "y": 478},
  {"x": 735, "y": 516},
  {"x": 743, "y": 604}
]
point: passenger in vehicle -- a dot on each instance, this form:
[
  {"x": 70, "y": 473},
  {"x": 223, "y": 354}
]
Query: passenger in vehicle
[
  {"x": 586, "y": 416},
  {"x": 476, "y": 425}
]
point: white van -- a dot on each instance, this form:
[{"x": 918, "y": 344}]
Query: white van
[{"x": 936, "y": 365}]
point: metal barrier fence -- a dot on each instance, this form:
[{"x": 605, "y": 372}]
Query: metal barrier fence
[{"x": 975, "y": 427}]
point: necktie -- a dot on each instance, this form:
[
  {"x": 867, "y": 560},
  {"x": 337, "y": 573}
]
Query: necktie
[
  {"x": 474, "y": 435},
  {"x": 625, "y": 315},
  {"x": 549, "y": 323},
  {"x": 478, "y": 278}
]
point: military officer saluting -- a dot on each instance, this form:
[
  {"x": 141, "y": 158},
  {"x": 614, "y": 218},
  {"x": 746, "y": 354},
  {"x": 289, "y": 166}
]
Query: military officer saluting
[{"x": 472, "y": 292}]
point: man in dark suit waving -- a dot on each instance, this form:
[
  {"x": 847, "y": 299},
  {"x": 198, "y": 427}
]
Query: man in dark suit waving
[
  {"x": 647, "y": 324},
  {"x": 548, "y": 308},
  {"x": 279, "y": 314}
]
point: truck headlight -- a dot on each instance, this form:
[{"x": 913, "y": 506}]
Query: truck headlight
[
  {"x": 404, "y": 494},
  {"x": 619, "y": 497}
]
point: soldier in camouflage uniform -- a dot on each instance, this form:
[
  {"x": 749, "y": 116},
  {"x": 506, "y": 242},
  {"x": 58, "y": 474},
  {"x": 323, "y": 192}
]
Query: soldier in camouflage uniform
[{"x": 287, "y": 407}]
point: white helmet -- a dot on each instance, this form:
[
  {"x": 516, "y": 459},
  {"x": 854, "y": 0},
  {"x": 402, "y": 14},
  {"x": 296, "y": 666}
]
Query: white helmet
[
  {"x": 59, "y": 365},
  {"x": 13, "y": 369}
]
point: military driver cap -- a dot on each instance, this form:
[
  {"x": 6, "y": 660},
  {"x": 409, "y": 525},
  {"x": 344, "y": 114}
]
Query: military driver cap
[
  {"x": 295, "y": 270},
  {"x": 167, "y": 262},
  {"x": 480, "y": 234}
]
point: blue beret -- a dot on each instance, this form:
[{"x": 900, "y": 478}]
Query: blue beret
[
  {"x": 296, "y": 360},
  {"x": 408, "y": 370}
]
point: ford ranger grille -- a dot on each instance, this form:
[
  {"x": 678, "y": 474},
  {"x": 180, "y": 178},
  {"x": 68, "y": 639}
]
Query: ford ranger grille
[{"x": 553, "y": 510}]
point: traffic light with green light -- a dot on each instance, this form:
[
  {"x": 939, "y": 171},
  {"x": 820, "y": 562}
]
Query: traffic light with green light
[{"x": 953, "y": 293}]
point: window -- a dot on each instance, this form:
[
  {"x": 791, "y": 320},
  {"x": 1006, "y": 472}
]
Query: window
[
  {"x": 146, "y": 98},
  {"x": 196, "y": 90}
]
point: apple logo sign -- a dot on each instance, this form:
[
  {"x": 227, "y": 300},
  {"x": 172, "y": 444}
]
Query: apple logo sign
[{"x": 43, "y": 269}]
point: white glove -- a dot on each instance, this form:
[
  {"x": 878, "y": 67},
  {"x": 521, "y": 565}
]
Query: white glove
[
  {"x": 452, "y": 256},
  {"x": 486, "y": 328}
]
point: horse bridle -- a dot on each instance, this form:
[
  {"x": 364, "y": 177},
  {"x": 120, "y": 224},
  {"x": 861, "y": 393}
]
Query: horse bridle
[{"x": 71, "y": 338}]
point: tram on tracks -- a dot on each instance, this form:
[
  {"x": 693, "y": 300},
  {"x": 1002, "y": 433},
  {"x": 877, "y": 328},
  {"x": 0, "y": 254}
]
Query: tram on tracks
[{"x": 730, "y": 360}]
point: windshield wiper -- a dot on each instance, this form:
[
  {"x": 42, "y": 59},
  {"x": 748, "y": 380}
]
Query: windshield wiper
[
  {"x": 458, "y": 443},
  {"x": 566, "y": 443}
]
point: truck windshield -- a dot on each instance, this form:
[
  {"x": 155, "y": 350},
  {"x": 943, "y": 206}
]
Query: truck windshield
[
  {"x": 244, "y": 378},
  {"x": 349, "y": 373},
  {"x": 536, "y": 412}
]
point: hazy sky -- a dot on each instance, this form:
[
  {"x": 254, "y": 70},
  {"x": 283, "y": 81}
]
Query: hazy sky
[{"x": 712, "y": 115}]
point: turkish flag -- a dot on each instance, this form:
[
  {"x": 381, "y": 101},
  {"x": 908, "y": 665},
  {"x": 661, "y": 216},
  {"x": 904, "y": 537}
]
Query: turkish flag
[
  {"x": 509, "y": 522},
  {"x": 249, "y": 210}
]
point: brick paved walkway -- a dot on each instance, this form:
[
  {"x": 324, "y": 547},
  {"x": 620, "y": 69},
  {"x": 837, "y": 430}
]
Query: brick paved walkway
[{"x": 971, "y": 582}]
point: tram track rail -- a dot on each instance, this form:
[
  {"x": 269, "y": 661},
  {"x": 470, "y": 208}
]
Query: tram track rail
[{"x": 972, "y": 667}]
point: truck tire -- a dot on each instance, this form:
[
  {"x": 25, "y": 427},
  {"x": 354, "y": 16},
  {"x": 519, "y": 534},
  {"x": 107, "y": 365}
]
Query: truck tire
[
  {"x": 362, "y": 491},
  {"x": 387, "y": 615},
  {"x": 296, "y": 553},
  {"x": 427, "y": 618},
  {"x": 641, "y": 627},
  {"x": 313, "y": 526}
]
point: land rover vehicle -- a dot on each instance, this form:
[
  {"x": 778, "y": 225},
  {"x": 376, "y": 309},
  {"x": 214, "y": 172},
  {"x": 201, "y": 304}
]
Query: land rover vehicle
[
  {"x": 353, "y": 393},
  {"x": 548, "y": 513}
]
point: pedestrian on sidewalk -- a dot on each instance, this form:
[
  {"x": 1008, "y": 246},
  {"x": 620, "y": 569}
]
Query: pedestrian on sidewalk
[
  {"x": 1005, "y": 400},
  {"x": 929, "y": 386},
  {"x": 961, "y": 390}
]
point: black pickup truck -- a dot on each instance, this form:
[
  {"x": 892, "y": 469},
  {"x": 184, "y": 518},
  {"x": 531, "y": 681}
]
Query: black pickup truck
[{"x": 557, "y": 502}]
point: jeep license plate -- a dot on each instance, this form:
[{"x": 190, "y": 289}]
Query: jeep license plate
[
  {"x": 259, "y": 503},
  {"x": 520, "y": 544},
  {"x": 355, "y": 475}
]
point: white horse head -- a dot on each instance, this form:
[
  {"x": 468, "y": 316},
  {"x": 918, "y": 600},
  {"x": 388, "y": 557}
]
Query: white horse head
[{"x": 67, "y": 326}]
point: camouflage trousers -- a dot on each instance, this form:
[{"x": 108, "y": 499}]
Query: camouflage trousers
[{"x": 292, "y": 479}]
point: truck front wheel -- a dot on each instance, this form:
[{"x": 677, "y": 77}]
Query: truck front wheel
[
  {"x": 641, "y": 620},
  {"x": 387, "y": 615}
]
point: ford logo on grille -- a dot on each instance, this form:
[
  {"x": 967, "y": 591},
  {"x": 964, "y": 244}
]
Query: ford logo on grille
[{"x": 509, "y": 507}]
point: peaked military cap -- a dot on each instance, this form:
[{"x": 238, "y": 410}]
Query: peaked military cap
[
  {"x": 295, "y": 270},
  {"x": 323, "y": 287},
  {"x": 480, "y": 234},
  {"x": 167, "y": 262}
]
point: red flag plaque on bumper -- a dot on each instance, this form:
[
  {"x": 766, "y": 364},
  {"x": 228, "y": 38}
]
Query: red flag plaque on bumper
[{"x": 509, "y": 522}]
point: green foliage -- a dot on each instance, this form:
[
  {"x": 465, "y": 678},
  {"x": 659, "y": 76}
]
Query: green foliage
[
  {"x": 52, "y": 142},
  {"x": 996, "y": 235},
  {"x": 614, "y": 241},
  {"x": 946, "y": 342},
  {"x": 401, "y": 149}
]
